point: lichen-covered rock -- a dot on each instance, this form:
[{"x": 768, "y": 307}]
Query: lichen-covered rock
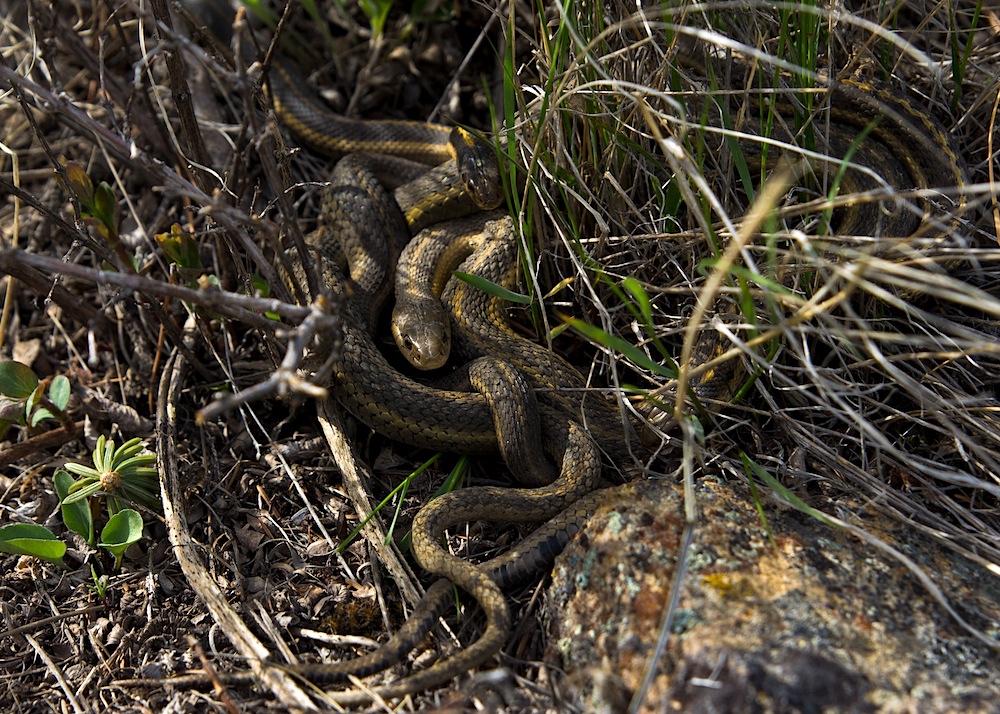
[{"x": 814, "y": 621}]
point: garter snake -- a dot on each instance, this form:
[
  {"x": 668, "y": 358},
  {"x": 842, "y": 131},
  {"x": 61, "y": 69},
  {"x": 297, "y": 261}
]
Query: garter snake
[
  {"x": 499, "y": 415},
  {"x": 875, "y": 143},
  {"x": 503, "y": 406},
  {"x": 473, "y": 160},
  {"x": 885, "y": 149},
  {"x": 875, "y": 148}
]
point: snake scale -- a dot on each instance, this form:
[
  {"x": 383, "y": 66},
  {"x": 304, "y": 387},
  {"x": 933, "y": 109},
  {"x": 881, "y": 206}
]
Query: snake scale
[{"x": 497, "y": 411}]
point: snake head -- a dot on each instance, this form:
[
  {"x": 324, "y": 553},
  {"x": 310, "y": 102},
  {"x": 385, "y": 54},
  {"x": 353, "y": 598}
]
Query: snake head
[
  {"x": 478, "y": 167},
  {"x": 423, "y": 334}
]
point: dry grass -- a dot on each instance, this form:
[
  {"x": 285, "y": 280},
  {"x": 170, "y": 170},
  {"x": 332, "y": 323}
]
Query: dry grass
[
  {"x": 872, "y": 384},
  {"x": 854, "y": 385}
]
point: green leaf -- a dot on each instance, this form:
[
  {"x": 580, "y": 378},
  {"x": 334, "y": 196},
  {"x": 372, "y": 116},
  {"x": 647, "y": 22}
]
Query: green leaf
[
  {"x": 76, "y": 515},
  {"x": 82, "y": 489},
  {"x": 40, "y": 415},
  {"x": 638, "y": 293},
  {"x": 137, "y": 465},
  {"x": 753, "y": 469},
  {"x": 125, "y": 452},
  {"x": 180, "y": 247},
  {"x": 261, "y": 10},
  {"x": 17, "y": 380},
  {"x": 114, "y": 506},
  {"x": 559, "y": 287},
  {"x": 59, "y": 392},
  {"x": 31, "y": 402},
  {"x": 102, "y": 454},
  {"x": 100, "y": 585},
  {"x": 452, "y": 483},
  {"x": 398, "y": 492},
  {"x": 29, "y": 539},
  {"x": 377, "y": 12},
  {"x": 491, "y": 288},
  {"x": 262, "y": 289},
  {"x": 260, "y": 285},
  {"x": 143, "y": 490},
  {"x": 454, "y": 480},
  {"x": 770, "y": 286},
  {"x": 144, "y": 475},
  {"x": 627, "y": 349},
  {"x": 106, "y": 207},
  {"x": 81, "y": 185},
  {"x": 82, "y": 470},
  {"x": 123, "y": 529}
]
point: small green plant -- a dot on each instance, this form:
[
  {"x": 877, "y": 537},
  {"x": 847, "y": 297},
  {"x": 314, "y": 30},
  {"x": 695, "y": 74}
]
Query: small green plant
[
  {"x": 99, "y": 208},
  {"x": 100, "y": 583},
  {"x": 181, "y": 249},
  {"x": 28, "y": 401},
  {"x": 377, "y": 12},
  {"x": 122, "y": 530},
  {"x": 97, "y": 203},
  {"x": 452, "y": 483},
  {"x": 961, "y": 40},
  {"x": 76, "y": 515},
  {"x": 117, "y": 473}
]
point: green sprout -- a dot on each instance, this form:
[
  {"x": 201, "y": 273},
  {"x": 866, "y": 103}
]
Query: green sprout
[
  {"x": 97, "y": 203},
  {"x": 122, "y": 530},
  {"x": 117, "y": 473},
  {"x": 99, "y": 209},
  {"x": 121, "y": 473}
]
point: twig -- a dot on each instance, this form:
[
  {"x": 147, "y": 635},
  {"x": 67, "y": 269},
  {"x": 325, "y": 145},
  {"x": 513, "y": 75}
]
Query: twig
[
  {"x": 168, "y": 403},
  {"x": 221, "y": 301},
  {"x": 58, "y": 674},
  {"x": 46, "y": 621},
  {"x": 233, "y": 220},
  {"x": 181, "y": 94},
  {"x": 68, "y": 432},
  {"x": 323, "y": 320}
]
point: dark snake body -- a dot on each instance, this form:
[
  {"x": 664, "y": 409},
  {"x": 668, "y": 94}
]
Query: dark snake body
[{"x": 499, "y": 415}]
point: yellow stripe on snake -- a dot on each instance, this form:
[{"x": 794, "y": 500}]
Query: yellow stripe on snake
[{"x": 496, "y": 409}]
